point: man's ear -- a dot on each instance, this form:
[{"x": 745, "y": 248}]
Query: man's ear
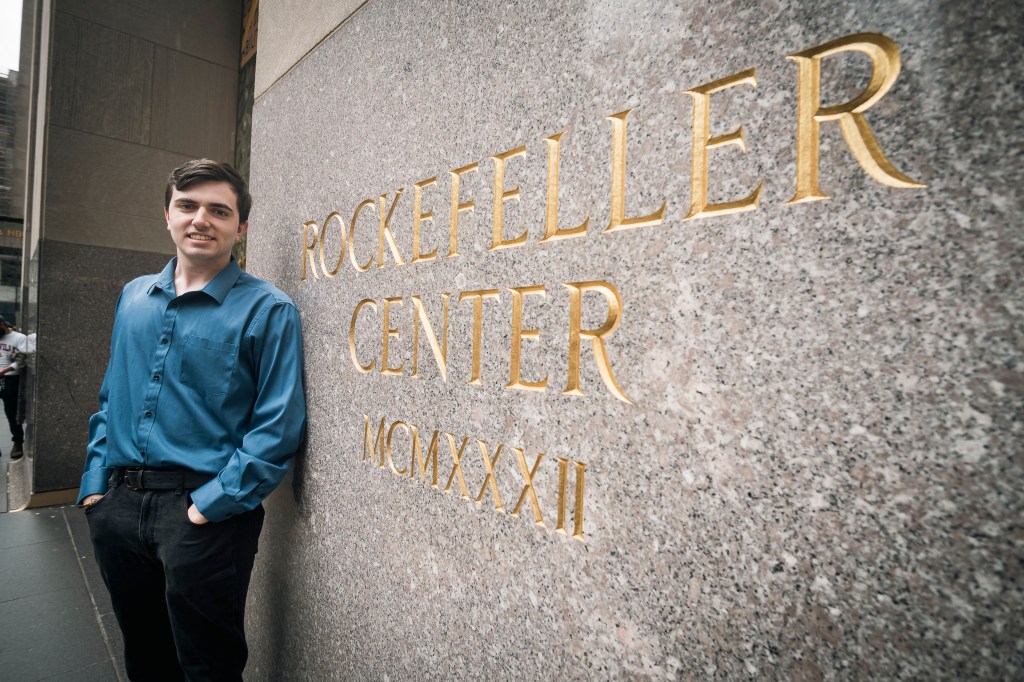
[{"x": 243, "y": 228}]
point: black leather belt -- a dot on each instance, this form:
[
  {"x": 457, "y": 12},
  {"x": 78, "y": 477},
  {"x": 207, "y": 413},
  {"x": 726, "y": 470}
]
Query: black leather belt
[{"x": 159, "y": 479}]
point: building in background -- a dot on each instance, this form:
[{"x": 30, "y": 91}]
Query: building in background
[
  {"x": 12, "y": 170},
  {"x": 8, "y": 95}
]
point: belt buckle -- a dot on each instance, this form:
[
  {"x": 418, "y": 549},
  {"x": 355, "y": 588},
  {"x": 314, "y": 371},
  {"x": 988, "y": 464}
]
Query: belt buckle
[{"x": 133, "y": 479}]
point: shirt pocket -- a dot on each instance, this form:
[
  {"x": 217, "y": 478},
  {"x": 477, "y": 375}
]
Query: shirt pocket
[{"x": 207, "y": 365}]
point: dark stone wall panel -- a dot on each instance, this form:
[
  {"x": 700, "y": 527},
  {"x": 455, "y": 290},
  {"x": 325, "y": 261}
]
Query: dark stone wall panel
[{"x": 78, "y": 289}]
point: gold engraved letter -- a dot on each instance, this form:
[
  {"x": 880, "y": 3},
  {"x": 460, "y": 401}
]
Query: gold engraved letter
[
  {"x": 417, "y": 457},
  {"x": 457, "y": 465},
  {"x": 617, "y": 219},
  {"x": 378, "y": 442},
  {"x": 528, "y": 488},
  {"x": 385, "y": 231},
  {"x": 563, "y": 466},
  {"x": 365, "y": 369},
  {"x": 518, "y": 334},
  {"x": 440, "y": 351},
  {"x": 352, "y": 238},
  {"x": 417, "y": 220},
  {"x": 489, "y": 478},
  {"x": 577, "y": 517},
  {"x": 457, "y": 208},
  {"x": 551, "y": 230},
  {"x": 563, "y": 475},
  {"x": 307, "y": 248},
  {"x": 596, "y": 336},
  {"x": 478, "y": 314},
  {"x": 387, "y": 448},
  {"x": 334, "y": 215},
  {"x": 501, "y": 195},
  {"x": 388, "y": 333},
  {"x": 702, "y": 142},
  {"x": 885, "y": 64}
]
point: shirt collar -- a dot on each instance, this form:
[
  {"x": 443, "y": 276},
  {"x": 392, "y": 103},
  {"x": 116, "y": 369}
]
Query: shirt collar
[
  {"x": 217, "y": 288},
  {"x": 165, "y": 280}
]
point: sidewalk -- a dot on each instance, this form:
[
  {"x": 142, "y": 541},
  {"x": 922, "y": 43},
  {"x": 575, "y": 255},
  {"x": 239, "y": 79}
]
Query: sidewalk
[{"x": 56, "y": 623}]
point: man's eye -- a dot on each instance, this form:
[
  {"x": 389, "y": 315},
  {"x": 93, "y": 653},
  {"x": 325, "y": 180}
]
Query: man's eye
[
  {"x": 221, "y": 212},
  {"x": 186, "y": 206}
]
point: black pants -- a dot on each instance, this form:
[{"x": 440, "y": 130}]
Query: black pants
[
  {"x": 9, "y": 394},
  {"x": 178, "y": 589}
]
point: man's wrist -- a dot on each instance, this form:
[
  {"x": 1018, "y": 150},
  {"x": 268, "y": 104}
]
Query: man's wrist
[
  {"x": 90, "y": 500},
  {"x": 196, "y": 516}
]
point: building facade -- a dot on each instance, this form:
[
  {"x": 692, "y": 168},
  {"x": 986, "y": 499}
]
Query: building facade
[{"x": 658, "y": 340}]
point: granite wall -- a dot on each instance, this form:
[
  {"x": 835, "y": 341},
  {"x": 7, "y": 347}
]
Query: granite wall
[{"x": 780, "y": 436}]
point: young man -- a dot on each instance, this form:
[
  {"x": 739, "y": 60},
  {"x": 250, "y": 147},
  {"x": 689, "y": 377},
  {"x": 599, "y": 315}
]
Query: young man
[
  {"x": 11, "y": 342},
  {"x": 201, "y": 411}
]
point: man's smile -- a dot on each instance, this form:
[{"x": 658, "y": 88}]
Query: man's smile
[{"x": 200, "y": 237}]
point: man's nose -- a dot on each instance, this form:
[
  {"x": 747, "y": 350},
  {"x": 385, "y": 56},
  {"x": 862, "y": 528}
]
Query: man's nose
[{"x": 201, "y": 217}]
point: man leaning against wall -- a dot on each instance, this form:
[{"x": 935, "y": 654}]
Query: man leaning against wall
[{"x": 201, "y": 411}]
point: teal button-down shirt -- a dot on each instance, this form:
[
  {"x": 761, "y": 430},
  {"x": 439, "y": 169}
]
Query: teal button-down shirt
[{"x": 209, "y": 381}]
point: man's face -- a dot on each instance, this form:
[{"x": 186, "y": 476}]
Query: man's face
[{"x": 204, "y": 223}]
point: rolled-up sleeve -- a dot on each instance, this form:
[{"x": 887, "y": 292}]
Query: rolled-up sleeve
[{"x": 278, "y": 418}]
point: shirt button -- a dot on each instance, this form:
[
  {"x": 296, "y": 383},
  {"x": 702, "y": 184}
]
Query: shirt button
[
  {"x": 163, "y": 340},
  {"x": 174, "y": 305},
  {"x": 142, "y": 452},
  {"x": 156, "y": 377},
  {"x": 149, "y": 414}
]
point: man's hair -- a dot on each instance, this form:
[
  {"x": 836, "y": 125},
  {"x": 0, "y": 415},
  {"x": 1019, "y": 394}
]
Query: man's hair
[{"x": 206, "y": 170}]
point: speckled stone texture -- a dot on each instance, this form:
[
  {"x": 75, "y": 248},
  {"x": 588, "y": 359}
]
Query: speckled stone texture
[
  {"x": 820, "y": 474},
  {"x": 78, "y": 290}
]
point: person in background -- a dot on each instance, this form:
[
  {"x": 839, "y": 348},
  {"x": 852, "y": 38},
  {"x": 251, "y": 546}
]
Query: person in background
[
  {"x": 12, "y": 343},
  {"x": 200, "y": 414}
]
